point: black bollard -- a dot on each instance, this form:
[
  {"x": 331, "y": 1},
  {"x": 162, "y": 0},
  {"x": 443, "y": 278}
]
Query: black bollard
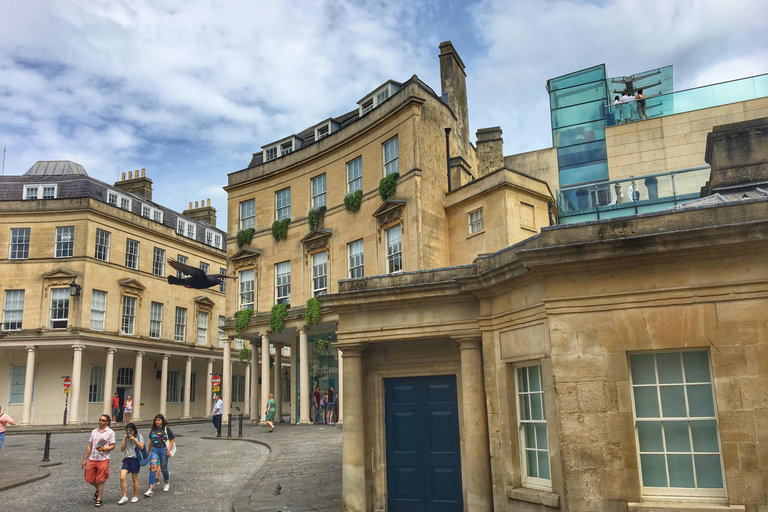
[
  {"x": 47, "y": 453},
  {"x": 229, "y": 425},
  {"x": 240, "y": 425}
]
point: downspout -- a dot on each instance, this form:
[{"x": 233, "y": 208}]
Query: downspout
[{"x": 448, "y": 155}]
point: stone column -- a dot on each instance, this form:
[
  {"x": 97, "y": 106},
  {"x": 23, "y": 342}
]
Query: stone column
[
  {"x": 187, "y": 387},
  {"x": 279, "y": 383},
  {"x": 353, "y": 436},
  {"x": 294, "y": 372},
  {"x": 226, "y": 380},
  {"x": 137, "y": 371},
  {"x": 255, "y": 408},
  {"x": 475, "y": 423},
  {"x": 209, "y": 391},
  {"x": 340, "y": 419},
  {"x": 164, "y": 384},
  {"x": 247, "y": 390},
  {"x": 29, "y": 383},
  {"x": 109, "y": 381},
  {"x": 304, "y": 390},
  {"x": 264, "y": 375},
  {"x": 77, "y": 369}
]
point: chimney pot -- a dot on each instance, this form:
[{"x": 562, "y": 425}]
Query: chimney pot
[
  {"x": 209, "y": 202},
  {"x": 123, "y": 176},
  {"x": 130, "y": 175},
  {"x": 143, "y": 172},
  {"x": 190, "y": 205},
  {"x": 195, "y": 204}
]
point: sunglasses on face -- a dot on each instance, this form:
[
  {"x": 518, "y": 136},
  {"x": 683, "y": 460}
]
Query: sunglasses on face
[{"x": 100, "y": 421}]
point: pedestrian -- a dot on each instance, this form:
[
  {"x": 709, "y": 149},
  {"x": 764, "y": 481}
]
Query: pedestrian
[
  {"x": 127, "y": 410},
  {"x": 96, "y": 458},
  {"x": 331, "y": 407},
  {"x": 269, "y": 414},
  {"x": 115, "y": 407},
  {"x": 218, "y": 411},
  {"x": 640, "y": 98},
  {"x": 316, "y": 402},
  {"x": 324, "y": 406},
  {"x": 4, "y": 420},
  {"x": 132, "y": 440},
  {"x": 161, "y": 439}
]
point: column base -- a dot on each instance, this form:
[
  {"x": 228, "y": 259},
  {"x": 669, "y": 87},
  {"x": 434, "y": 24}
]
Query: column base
[
  {"x": 340, "y": 422},
  {"x": 186, "y": 417},
  {"x": 305, "y": 422}
]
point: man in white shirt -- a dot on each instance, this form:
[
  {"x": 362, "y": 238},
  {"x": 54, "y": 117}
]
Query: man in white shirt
[
  {"x": 96, "y": 458},
  {"x": 218, "y": 410}
]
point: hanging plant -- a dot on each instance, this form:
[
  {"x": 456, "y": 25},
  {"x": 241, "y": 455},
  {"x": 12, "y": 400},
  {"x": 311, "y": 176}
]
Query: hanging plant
[
  {"x": 321, "y": 345},
  {"x": 313, "y": 312},
  {"x": 353, "y": 200},
  {"x": 388, "y": 185},
  {"x": 315, "y": 217},
  {"x": 276, "y": 322},
  {"x": 242, "y": 318},
  {"x": 244, "y": 237},
  {"x": 280, "y": 229},
  {"x": 245, "y": 355}
]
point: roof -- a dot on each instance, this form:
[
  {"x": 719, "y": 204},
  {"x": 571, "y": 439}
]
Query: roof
[{"x": 56, "y": 168}]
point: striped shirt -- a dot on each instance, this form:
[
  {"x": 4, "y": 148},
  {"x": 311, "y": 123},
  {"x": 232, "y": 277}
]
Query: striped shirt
[{"x": 107, "y": 436}]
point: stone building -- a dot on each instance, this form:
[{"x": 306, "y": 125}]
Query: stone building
[{"x": 85, "y": 295}]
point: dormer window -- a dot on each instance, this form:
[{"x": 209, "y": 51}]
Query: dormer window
[
  {"x": 367, "y": 106},
  {"x": 186, "y": 228},
  {"x": 149, "y": 212},
  {"x": 213, "y": 239},
  {"x": 325, "y": 128},
  {"x": 118, "y": 200},
  {"x": 41, "y": 191},
  {"x": 281, "y": 148},
  {"x": 322, "y": 132},
  {"x": 383, "y": 95},
  {"x": 286, "y": 147},
  {"x": 378, "y": 97},
  {"x": 271, "y": 154}
]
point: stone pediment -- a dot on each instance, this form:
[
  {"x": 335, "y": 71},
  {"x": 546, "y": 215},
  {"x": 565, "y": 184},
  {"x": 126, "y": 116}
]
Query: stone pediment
[
  {"x": 58, "y": 278},
  {"x": 389, "y": 211},
  {"x": 204, "y": 303},
  {"x": 316, "y": 239},
  {"x": 245, "y": 258},
  {"x": 131, "y": 284}
]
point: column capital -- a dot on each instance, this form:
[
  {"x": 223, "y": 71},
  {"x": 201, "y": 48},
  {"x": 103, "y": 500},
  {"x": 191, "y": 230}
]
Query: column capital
[
  {"x": 264, "y": 334},
  {"x": 350, "y": 351},
  {"x": 111, "y": 350},
  {"x": 469, "y": 342},
  {"x": 78, "y": 348},
  {"x": 227, "y": 341},
  {"x": 190, "y": 358},
  {"x": 140, "y": 353},
  {"x": 211, "y": 360},
  {"x": 302, "y": 328},
  {"x": 166, "y": 356},
  {"x": 30, "y": 348}
]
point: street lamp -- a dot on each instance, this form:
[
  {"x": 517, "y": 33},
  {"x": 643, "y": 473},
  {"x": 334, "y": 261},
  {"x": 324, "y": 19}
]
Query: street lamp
[{"x": 74, "y": 289}]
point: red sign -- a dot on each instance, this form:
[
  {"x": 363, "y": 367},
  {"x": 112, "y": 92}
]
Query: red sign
[
  {"x": 67, "y": 383},
  {"x": 215, "y": 380}
]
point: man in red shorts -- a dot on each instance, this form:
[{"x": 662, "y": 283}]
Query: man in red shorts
[{"x": 96, "y": 458}]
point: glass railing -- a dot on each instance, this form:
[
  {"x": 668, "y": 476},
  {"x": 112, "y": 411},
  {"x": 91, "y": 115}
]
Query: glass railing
[
  {"x": 630, "y": 196},
  {"x": 688, "y": 100}
]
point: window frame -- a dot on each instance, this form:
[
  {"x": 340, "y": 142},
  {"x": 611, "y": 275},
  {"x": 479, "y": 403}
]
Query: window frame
[
  {"x": 243, "y": 294},
  {"x": 392, "y": 165},
  {"x": 319, "y": 274},
  {"x": 132, "y": 248},
  {"x": 96, "y": 381},
  {"x": 16, "y": 310},
  {"x": 16, "y": 247},
  {"x": 248, "y": 214},
  {"x": 355, "y": 262},
  {"x": 128, "y": 314},
  {"x": 155, "y": 320},
  {"x": 102, "y": 245},
  {"x": 179, "y": 273},
  {"x": 180, "y": 327},
  {"x": 527, "y": 481},
  {"x": 95, "y": 312},
  {"x": 222, "y": 282},
  {"x": 283, "y": 211},
  {"x": 473, "y": 223},
  {"x": 202, "y": 327},
  {"x": 393, "y": 256},
  {"x": 63, "y": 248},
  {"x": 174, "y": 389},
  {"x": 158, "y": 264},
  {"x": 355, "y": 183},
  {"x": 319, "y": 197},
  {"x": 286, "y": 298},
  {"x": 40, "y": 191},
  {"x": 64, "y": 292}
]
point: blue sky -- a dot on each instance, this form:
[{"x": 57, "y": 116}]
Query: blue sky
[{"x": 188, "y": 90}]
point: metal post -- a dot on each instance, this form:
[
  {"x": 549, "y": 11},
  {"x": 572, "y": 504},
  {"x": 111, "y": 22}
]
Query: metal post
[
  {"x": 66, "y": 403},
  {"x": 229, "y": 425},
  {"x": 240, "y": 425},
  {"x": 46, "y": 454}
]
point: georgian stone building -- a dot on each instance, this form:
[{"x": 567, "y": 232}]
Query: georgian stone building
[{"x": 85, "y": 295}]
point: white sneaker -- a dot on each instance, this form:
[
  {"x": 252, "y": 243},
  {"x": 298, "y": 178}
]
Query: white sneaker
[
  {"x": 166, "y": 487},
  {"x": 148, "y": 493},
  {"x": 134, "y": 499},
  {"x": 122, "y": 501}
]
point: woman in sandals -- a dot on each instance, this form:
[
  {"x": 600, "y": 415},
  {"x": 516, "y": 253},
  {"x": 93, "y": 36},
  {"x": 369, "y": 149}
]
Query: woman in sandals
[
  {"x": 96, "y": 458},
  {"x": 127, "y": 410},
  {"x": 132, "y": 440},
  {"x": 269, "y": 414},
  {"x": 158, "y": 455}
]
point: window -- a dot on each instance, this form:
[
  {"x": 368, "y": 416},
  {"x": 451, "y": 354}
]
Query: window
[
  {"x": 96, "y": 384},
  {"x": 283, "y": 282},
  {"x": 64, "y": 241},
  {"x": 132, "y": 254},
  {"x": 180, "y": 325},
  {"x": 119, "y": 200},
  {"x": 98, "y": 309},
  {"x": 238, "y": 388},
  {"x": 391, "y": 157},
  {"x": 286, "y": 147},
  {"x": 156, "y": 320},
  {"x": 283, "y": 201},
  {"x": 151, "y": 213},
  {"x": 174, "y": 393},
  {"x": 367, "y": 106},
  {"x": 247, "y": 282},
  {"x": 383, "y": 95},
  {"x": 129, "y": 315},
  {"x": 125, "y": 203},
  {"x": 125, "y": 376},
  {"x": 221, "y": 331},
  {"x": 102, "y": 245},
  {"x": 158, "y": 262},
  {"x": 192, "y": 386},
  {"x": 146, "y": 211},
  {"x": 248, "y": 214},
  {"x": 19, "y": 244},
  {"x": 202, "y": 328},
  {"x": 205, "y": 267},
  {"x": 157, "y": 215},
  {"x": 356, "y": 259},
  {"x": 271, "y": 154},
  {"x": 59, "y": 308},
  {"x": 40, "y": 191},
  {"x": 184, "y": 260},
  {"x": 355, "y": 175},
  {"x": 394, "y": 249},
  {"x": 112, "y": 198},
  {"x": 318, "y": 191},
  {"x": 213, "y": 239},
  {"x": 18, "y": 381},
  {"x": 320, "y": 273},
  {"x": 223, "y": 282},
  {"x": 321, "y": 132},
  {"x": 13, "y": 310},
  {"x": 532, "y": 426},
  {"x": 186, "y": 228},
  {"x": 30, "y": 192},
  {"x": 676, "y": 424},
  {"x": 476, "y": 221}
]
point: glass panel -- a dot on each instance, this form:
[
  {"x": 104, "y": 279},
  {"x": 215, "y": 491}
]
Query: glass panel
[
  {"x": 530, "y": 435},
  {"x": 578, "y": 94},
  {"x": 672, "y": 401},
  {"x": 582, "y": 153},
  {"x": 541, "y": 436},
  {"x": 704, "y": 436},
  {"x": 577, "y": 78},
  {"x": 581, "y": 174},
  {"x": 696, "y": 366},
  {"x": 642, "y": 369},
  {"x": 646, "y": 403},
  {"x": 649, "y": 435},
  {"x": 522, "y": 380},
  {"x": 543, "y": 460},
  {"x": 586, "y": 132},
  {"x": 709, "y": 474},
  {"x": 669, "y": 367},
  {"x": 676, "y": 436},
  {"x": 534, "y": 378},
  {"x": 532, "y": 465},
  {"x": 525, "y": 404},
  {"x": 654, "y": 470},
  {"x": 578, "y": 114},
  {"x": 700, "y": 400},
  {"x": 680, "y": 470},
  {"x": 536, "y": 407}
]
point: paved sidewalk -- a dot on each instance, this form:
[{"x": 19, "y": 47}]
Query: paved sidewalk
[{"x": 19, "y": 472}]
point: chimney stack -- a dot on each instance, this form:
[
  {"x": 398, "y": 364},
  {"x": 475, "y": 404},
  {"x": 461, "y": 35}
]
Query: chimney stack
[
  {"x": 490, "y": 150},
  {"x": 202, "y": 213},
  {"x": 453, "y": 81},
  {"x": 140, "y": 185}
]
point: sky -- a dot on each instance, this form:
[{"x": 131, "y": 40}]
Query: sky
[{"x": 189, "y": 90}]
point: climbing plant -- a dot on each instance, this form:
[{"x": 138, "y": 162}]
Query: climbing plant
[
  {"x": 313, "y": 312},
  {"x": 353, "y": 200},
  {"x": 315, "y": 217},
  {"x": 276, "y": 318},
  {"x": 280, "y": 229},
  {"x": 388, "y": 185},
  {"x": 245, "y": 355},
  {"x": 244, "y": 237},
  {"x": 242, "y": 318}
]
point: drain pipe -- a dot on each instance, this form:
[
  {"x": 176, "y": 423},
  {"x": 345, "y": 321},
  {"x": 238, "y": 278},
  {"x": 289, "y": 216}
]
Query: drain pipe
[{"x": 448, "y": 155}]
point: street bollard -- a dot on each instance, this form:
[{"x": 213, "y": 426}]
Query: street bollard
[
  {"x": 229, "y": 426},
  {"x": 240, "y": 425},
  {"x": 47, "y": 453},
  {"x": 218, "y": 430}
]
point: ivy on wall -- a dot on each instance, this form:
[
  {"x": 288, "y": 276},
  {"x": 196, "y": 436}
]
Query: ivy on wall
[
  {"x": 315, "y": 217},
  {"x": 242, "y": 318},
  {"x": 353, "y": 200},
  {"x": 277, "y": 318},
  {"x": 280, "y": 229},
  {"x": 244, "y": 237},
  {"x": 388, "y": 185}
]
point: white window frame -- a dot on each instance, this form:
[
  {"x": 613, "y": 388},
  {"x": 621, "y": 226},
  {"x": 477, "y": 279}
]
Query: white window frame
[
  {"x": 394, "y": 249},
  {"x": 101, "y": 247},
  {"x": 13, "y": 310},
  {"x": 19, "y": 243},
  {"x": 128, "y": 315},
  {"x": 119, "y": 200},
  {"x": 247, "y": 295},
  {"x": 205, "y": 267},
  {"x": 132, "y": 248},
  {"x": 98, "y": 310},
  {"x": 270, "y": 153},
  {"x": 64, "y": 248},
  {"x": 180, "y": 324},
  {"x": 59, "y": 312},
  {"x": 213, "y": 239},
  {"x": 248, "y": 214},
  {"x": 366, "y": 106},
  {"x": 322, "y": 131},
  {"x": 475, "y": 219},
  {"x": 524, "y": 390},
  {"x": 158, "y": 262},
  {"x": 318, "y": 186},
  {"x": 391, "y": 156},
  {"x": 355, "y": 175},
  {"x": 356, "y": 258},
  {"x": 223, "y": 282},
  {"x": 283, "y": 282},
  {"x": 286, "y": 148},
  {"x": 96, "y": 384},
  {"x": 184, "y": 260},
  {"x": 156, "y": 320},
  {"x": 319, "y": 273},
  {"x": 283, "y": 209},
  {"x": 151, "y": 213},
  {"x": 40, "y": 191},
  {"x": 186, "y": 228},
  {"x": 202, "y": 327}
]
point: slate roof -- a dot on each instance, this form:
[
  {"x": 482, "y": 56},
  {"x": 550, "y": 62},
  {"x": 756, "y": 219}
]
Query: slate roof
[
  {"x": 725, "y": 195},
  {"x": 55, "y": 168}
]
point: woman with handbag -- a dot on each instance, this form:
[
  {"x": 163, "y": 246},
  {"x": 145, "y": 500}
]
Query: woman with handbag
[
  {"x": 162, "y": 441},
  {"x": 132, "y": 442}
]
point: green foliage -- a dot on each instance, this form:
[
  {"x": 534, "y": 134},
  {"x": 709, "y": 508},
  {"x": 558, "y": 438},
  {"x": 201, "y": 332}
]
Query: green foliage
[
  {"x": 388, "y": 185},
  {"x": 313, "y": 312},
  {"x": 321, "y": 345},
  {"x": 276, "y": 318},
  {"x": 280, "y": 229},
  {"x": 353, "y": 200},
  {"x": 315, "y": 217},
  {"x": 242, "y": 318},
  {"x": 244, "y": 237},
  {"x": 245, "y": 355}
]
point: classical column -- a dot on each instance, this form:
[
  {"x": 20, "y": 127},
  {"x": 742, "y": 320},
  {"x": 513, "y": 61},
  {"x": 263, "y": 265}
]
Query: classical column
[
  {"x": 264, "y": 374},
  {"x": 247, "y": 390},
  {"x": 209, "y": 391},
  {"x": 475, "y": 435},
  {"x": 29, "y": 382},
  {"x": 304, "y": 390},
  {"x": 77, "y": 369},
  {"x": 279, "y": 383},
  {"x": 109, "y": 381},
  {"x": 164, "y": 384},
  {"x": 294, "y": 372},
  {"x": 187, "y": 387},
  {"x": 353, "y": 434},
  {"x": 255, "y": 408},
  {"x": 340, "y": 419},
  {"x": 226, "y": 380},
  {"x": 137, "y": 371}
]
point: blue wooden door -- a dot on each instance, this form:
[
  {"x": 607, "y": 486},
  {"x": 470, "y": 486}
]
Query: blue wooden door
[{"x": 423, "y": 457}]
